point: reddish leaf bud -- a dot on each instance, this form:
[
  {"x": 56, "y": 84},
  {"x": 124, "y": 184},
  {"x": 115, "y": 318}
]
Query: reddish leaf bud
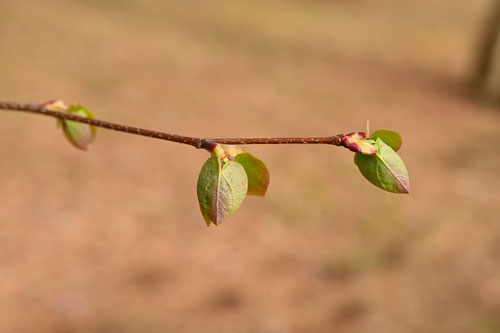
[
  {"x": 357, "y": 143},
  {"x": 56, "y": 105}
]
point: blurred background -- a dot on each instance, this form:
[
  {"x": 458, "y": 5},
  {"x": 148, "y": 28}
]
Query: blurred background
[{"x": 112, "y": 240}]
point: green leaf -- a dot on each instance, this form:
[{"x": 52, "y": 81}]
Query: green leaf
[
  {"x": 222, "y": 186},
  {"x": 79, "y": 134},
  {"x": 258, "y": 175},
  {"x": 391, "y": 138},
  {"x": 385, "y": 169}
]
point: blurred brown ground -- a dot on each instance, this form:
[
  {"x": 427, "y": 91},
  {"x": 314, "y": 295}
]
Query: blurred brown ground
[{"x": 112, "y": 240}]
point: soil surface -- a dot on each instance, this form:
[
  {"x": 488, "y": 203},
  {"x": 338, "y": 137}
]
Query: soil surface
[{"x": 112, "y": 240}]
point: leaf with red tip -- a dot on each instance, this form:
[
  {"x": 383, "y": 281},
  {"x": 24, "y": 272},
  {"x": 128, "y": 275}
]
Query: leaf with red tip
[
  {"x": 258, "y": 175},
  {"x": 222, "y": 186},
  {"x": 391, "y": 138},
  {"x": 385, "y": 170}
]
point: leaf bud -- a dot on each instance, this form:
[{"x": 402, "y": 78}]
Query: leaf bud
[
  {"x": 78, "y": 134},
  {"x": 358, "y": 143},
  {"x": 56, "y": 105}
]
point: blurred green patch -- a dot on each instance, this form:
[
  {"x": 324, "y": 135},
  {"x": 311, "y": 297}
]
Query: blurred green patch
[
  {"x": 488, "y": 325},
  {"x": 345, "y": 267}
]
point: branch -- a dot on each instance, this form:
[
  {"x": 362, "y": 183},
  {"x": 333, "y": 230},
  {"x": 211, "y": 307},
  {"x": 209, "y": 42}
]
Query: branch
[
  {"x": 200, "y": 143},
  {"x": 230, "y": 173}
]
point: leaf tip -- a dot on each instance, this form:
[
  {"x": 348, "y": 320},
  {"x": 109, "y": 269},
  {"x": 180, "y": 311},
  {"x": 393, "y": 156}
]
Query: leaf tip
[{"x": 403, "y": 188}]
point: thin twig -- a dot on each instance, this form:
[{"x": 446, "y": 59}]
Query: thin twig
[{"x": 193, "y": 141}]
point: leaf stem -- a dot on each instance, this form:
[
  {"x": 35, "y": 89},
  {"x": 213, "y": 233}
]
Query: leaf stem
[{"x": 200, "y": 143}]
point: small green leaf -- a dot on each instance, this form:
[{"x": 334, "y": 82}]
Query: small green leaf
[
  {"x": 391, "y": 138},
  {"x": 258, "y": 175},
  {"x": 385, "y": 169},
  {"x": 222, "y": 186},
  {"x": 79, "y": 134}
]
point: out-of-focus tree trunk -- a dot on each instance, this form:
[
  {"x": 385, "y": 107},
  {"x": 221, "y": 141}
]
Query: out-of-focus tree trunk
[{"x": 487, "y": 72}]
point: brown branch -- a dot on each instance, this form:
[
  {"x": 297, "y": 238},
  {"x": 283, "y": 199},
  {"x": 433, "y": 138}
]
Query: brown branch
[{"x": 335, "y": 140}]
